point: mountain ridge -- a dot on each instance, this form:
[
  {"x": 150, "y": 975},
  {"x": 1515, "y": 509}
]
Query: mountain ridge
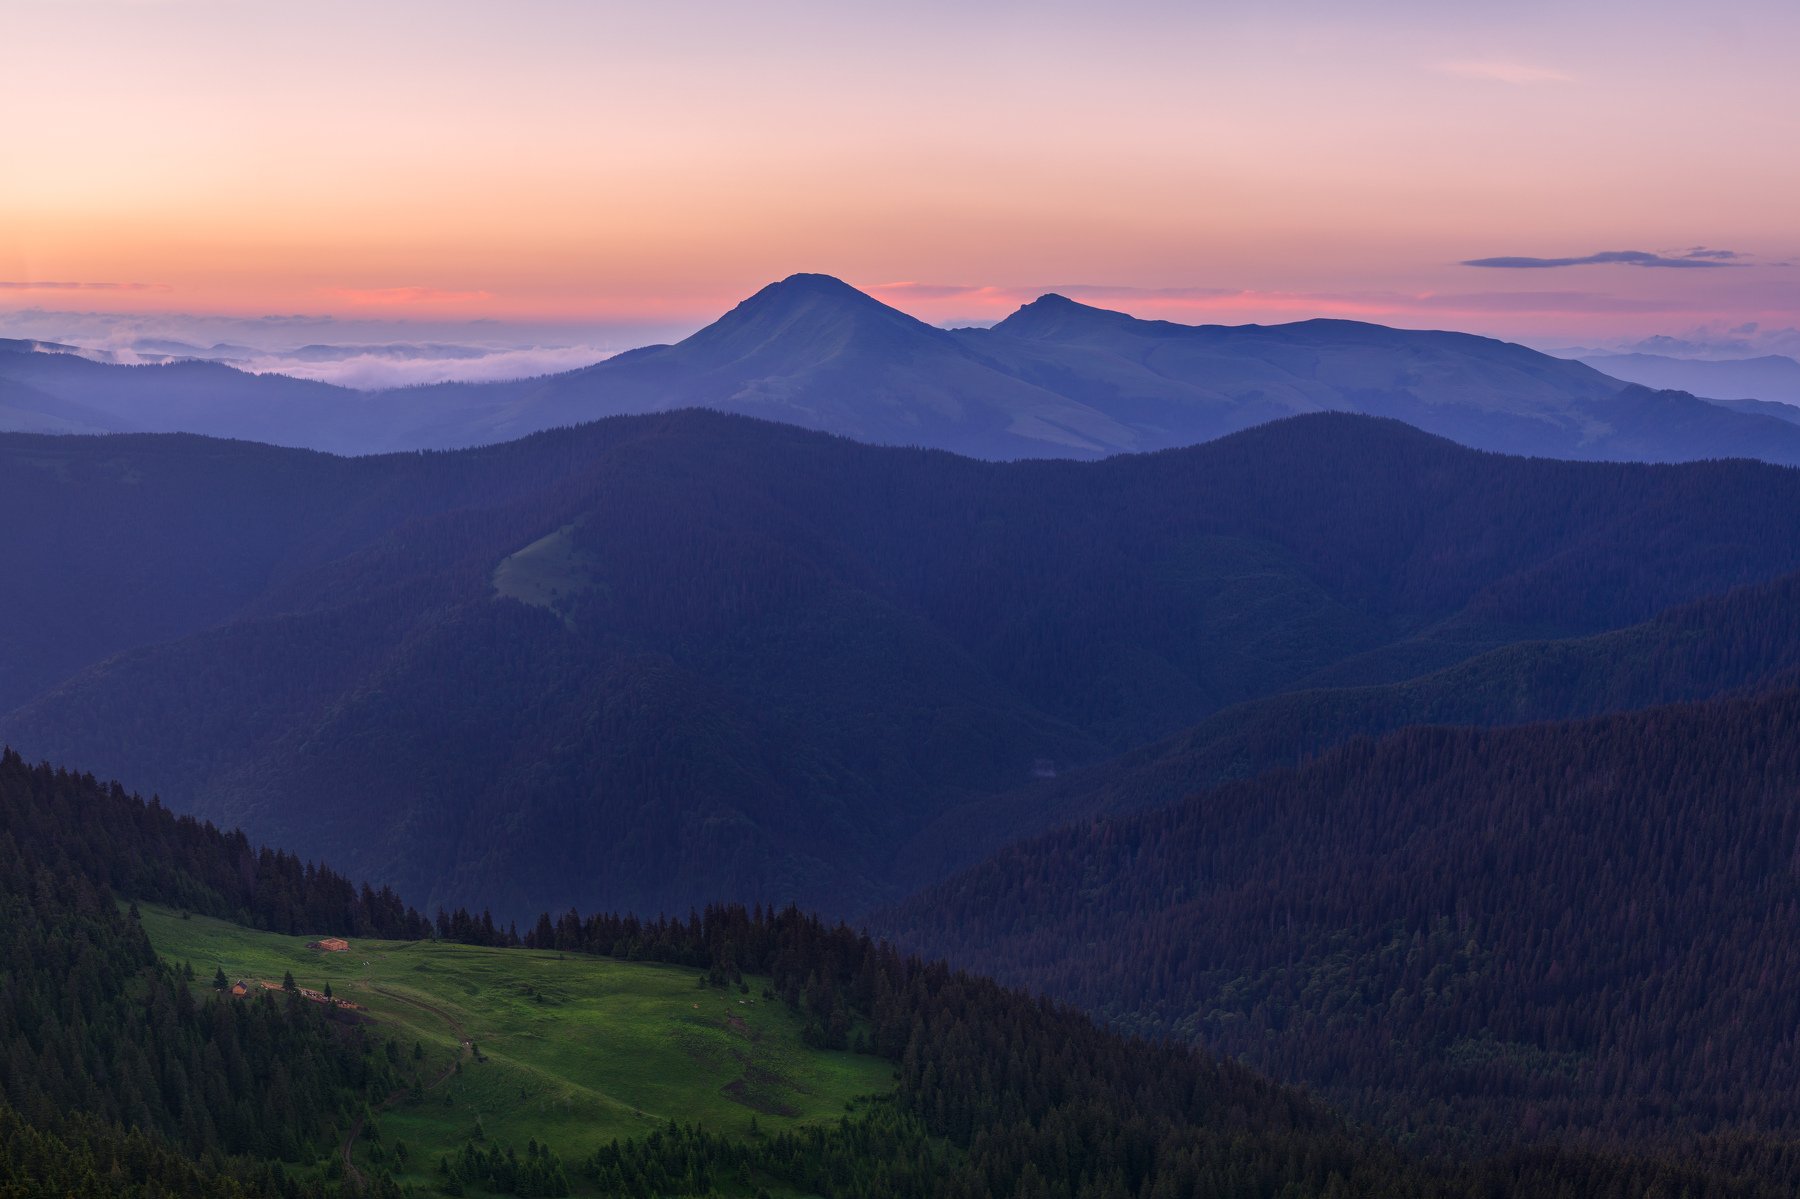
[
  {"x": 656, "y": 657},
  {"x": 1771, "y": 378},
  {"x": 1056, "y": 378},
  {"x": 1742, "y": 642}
]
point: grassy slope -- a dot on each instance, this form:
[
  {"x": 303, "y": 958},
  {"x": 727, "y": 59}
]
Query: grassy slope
[
  {"x": 612, "y": 1051},
  {"x": 546, "y": 572}
]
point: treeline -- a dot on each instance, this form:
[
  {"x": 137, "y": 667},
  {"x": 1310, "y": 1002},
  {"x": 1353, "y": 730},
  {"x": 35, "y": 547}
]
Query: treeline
[
  {"x": 536, "y": 1174},
  {"x": 82, "y": 829},
  {"x": 1743, "y": 642},
  {"x": 118, "y": 1074},
  {"x": 881, "y": 1150},
  {"x": 1027, "y": 1093},
  {"x": 1000, "y": 1095},
  {"x": 89, "y": 1159},
  {"x": 1471, "y": 937}
]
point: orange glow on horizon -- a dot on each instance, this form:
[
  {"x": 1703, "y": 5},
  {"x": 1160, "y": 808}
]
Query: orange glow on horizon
[
  {"x": 1513, "y": 315},
  {"x": 405, "y": 297},
  {"x": 624, "y": 164}
]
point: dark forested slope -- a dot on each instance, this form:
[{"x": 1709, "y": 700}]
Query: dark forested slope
[
  {"x": 121, "y": 1075},
  {"x": 652, "y": 659},
  {"x": 1744, "y": 641},
  {"x": 123, "y": 541},
  {"x": 1462, "y": 934}
]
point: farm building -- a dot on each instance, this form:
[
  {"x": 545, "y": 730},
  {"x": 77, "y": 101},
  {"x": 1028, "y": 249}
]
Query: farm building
[{"x": 329, "y": 945}]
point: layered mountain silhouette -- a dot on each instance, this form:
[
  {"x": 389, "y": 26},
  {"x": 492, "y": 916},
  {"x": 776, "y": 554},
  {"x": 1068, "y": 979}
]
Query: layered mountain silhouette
[
  {"x": 1743, "y": 642},
  {"x": 1063, "y": 379},
  {"x": 1770, "y": 383},
  {"x": 654, "y": 659},
  {"x": 50, "y": 388},
  {"x": 814, "y": 351},
  {"x": 1055, "y": 379}
]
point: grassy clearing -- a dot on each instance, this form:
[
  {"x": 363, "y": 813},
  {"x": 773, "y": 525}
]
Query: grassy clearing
[
  {"x": 546, "y": 572},
  {"x": 574, "y": 1051}
]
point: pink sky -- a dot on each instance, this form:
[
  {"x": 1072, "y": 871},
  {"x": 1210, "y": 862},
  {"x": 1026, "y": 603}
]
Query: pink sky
[{"x": 568, "y": 161}]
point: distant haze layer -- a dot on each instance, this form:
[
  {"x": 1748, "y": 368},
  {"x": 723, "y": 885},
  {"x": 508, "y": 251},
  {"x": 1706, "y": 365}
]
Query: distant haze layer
[
  {"x": 1581, "y": 170},
  {"x": 1056, "y": 378}
]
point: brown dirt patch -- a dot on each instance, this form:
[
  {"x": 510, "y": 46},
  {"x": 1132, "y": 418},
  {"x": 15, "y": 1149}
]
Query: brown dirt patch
[{"x": 753, "y": 1097}]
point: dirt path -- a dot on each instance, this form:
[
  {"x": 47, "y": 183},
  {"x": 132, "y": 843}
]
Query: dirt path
[
  {"x": 455, "y": 1024},
  {"x": 462, "y": 1038}
]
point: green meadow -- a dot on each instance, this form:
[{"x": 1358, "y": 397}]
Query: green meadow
[{"x": 570, "y": 1051}]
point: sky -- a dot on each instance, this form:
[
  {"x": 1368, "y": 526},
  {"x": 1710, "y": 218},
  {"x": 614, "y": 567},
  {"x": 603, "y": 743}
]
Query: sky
[{"x": 568, "y": 173}]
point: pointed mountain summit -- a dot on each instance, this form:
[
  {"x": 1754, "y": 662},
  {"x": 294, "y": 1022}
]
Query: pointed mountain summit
[
  {"x": 807, "y": 319},
  {"x": 1053, "y": 317}
]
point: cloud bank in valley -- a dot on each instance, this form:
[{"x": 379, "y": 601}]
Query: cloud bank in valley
[
  {"x": 400, "y": 365},
  {"x": 362, "y": 353}
]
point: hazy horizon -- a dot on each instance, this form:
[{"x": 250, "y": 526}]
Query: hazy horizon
[
  {"x": 374, "y": 353},
  {"x": 1532, "y": 176}
]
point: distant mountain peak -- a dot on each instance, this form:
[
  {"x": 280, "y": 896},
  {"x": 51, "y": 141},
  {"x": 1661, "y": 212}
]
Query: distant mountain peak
[
  {"x": 806, "y": 315},
  {"x": 815, "y": 281},
  {"x": 1054, "y": 301},
  {"x": 807, "y": 288},
  {"x": 813, "y": 291},
  {"x": 1052, "y": 314}
]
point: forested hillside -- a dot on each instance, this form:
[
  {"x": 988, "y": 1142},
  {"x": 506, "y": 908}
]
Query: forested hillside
[
  {"x": 995, "y": 1094},
  {"x": 648, "y": 661},
  {"x": 122, "y": 1075},
  {"x": 1462, "y": 935},
  {"x": 128, "y": 541},
  {"x": 1744, "y": 641}
]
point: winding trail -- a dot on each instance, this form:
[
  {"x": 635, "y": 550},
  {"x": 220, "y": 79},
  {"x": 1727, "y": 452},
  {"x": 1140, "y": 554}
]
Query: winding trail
[{"x": 462, "y": 1038}]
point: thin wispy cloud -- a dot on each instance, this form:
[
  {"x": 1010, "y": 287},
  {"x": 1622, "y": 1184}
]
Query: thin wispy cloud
[
  {"x": 1161, "y": 293},
  {"x": 1699, "y": 258},
  {"x": 1250, "y": 303},
  {"x": 389, "y": 297},
  {"x": 933, "y": 291},
  {"x": 55, "y": 285},
  {"x": 1298, "y": 303},
  {"x": 1518, "y": 74}
]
